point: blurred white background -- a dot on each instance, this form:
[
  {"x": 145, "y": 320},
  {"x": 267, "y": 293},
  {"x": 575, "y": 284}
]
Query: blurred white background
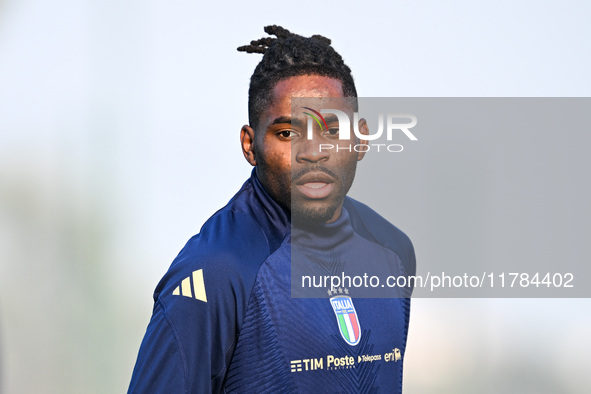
[{"x": 119, "y": 125}]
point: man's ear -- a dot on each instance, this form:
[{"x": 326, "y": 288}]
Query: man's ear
[
  {"x": 363, "y": 129},
  {"x": 247, "y": 142}
]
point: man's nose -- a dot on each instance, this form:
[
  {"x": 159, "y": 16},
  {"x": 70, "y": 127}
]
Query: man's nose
[{"x": 309, "y": 151}]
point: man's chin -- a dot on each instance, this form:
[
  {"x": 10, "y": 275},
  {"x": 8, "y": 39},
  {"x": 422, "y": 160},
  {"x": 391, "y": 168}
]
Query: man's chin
[{"x": 312, "y": 215}]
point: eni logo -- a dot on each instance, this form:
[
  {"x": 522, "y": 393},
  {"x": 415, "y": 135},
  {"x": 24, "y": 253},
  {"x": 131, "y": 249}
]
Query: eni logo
[{"x": 394, "y": 355}]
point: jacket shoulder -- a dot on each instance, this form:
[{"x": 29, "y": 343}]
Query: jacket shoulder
[{"x": 229, "y": 248}]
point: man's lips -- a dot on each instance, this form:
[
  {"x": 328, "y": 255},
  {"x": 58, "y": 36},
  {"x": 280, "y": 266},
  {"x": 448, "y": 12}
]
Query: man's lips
[
  {"x": 316, "y": 190},
  {"x": 315, "y": 185}
]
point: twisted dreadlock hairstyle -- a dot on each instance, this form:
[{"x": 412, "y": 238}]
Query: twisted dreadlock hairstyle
[{"x": 290, "y": 55}]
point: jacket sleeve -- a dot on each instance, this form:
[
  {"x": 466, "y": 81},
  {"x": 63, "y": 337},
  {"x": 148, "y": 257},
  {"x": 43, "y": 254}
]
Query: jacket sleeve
[
  {"x": 199, "y": 308},
  {"x": 161, "y": 366}
]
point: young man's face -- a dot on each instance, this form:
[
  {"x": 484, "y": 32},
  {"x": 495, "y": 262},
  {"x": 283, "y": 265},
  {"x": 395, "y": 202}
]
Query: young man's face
[{"x": 292, "y": 168}]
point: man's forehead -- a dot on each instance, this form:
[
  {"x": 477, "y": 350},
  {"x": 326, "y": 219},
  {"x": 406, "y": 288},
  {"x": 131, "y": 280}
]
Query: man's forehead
[
  {"x": 296, "y": 93},
  {"x": 313, "y": 91},
  {"x": 307, "y": 86}
]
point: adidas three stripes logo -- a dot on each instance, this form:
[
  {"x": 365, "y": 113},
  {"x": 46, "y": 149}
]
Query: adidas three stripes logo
[{"x": 196, "y": 291}]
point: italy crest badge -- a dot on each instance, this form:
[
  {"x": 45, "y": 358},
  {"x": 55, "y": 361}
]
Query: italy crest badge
[{"x": 346, "y": 318}]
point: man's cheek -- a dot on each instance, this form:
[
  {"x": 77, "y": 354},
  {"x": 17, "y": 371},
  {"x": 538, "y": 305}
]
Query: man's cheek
[{"x": 282, "y": 161}]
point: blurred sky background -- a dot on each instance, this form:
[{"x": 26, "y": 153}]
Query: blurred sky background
[{"x": 119, "y": 125}]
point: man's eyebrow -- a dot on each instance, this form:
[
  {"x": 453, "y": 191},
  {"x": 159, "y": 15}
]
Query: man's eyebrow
[
  {"x": 287, "y": 119},
  {"x": 331, "y": 118}
]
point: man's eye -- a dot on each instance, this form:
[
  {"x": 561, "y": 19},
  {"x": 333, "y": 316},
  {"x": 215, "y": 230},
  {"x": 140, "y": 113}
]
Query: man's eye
[
  {"x": 333, "y": 131},
  {"x": 286, "y": 133}
]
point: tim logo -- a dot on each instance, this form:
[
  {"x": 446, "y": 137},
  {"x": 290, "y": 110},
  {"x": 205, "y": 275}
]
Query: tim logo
[
  {"x": 394, "y": 122},
  {"x": 346, "y": 319}
]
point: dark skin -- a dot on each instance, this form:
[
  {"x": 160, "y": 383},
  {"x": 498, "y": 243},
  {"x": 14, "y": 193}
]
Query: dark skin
[{"x": 312, "y": 183}]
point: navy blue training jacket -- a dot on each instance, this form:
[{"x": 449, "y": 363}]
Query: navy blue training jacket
[{"x": 224, "y": 320}]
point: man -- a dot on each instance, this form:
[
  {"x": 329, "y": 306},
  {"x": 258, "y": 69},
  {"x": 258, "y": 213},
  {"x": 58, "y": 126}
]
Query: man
[{"x": 224, "y": 319}]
